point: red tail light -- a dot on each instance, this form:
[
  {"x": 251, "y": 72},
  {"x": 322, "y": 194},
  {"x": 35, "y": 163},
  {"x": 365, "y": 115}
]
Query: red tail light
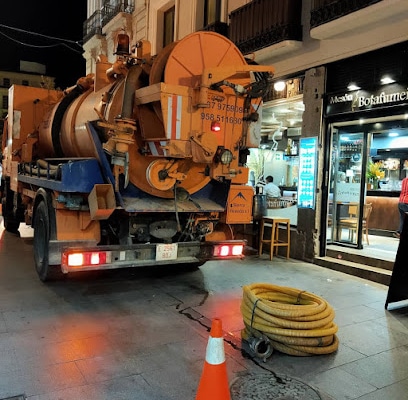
[
  {"x": 228, "y": 250},
  {"x": 81, "y": 259}
]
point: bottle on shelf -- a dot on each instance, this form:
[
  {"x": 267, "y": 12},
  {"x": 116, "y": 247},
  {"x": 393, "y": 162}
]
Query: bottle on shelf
[
  {"x": 289, "y": 147},
  {"x": 294, "y": 149}
]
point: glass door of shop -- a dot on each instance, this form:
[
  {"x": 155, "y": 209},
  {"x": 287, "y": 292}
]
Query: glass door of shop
[{"x": 346, "y": 188}]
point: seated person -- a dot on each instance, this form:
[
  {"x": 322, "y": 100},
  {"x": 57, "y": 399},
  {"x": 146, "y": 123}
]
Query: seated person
[{"x": 270, "y": 189}]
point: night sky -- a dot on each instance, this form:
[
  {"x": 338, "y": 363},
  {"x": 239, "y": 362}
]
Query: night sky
[{"x": 62, "y": 20}]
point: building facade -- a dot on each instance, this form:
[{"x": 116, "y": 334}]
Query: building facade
[{"x": 318, "y": 48}]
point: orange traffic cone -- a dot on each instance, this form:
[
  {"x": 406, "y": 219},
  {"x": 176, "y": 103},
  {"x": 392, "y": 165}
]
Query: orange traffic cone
[{"x": 214, "y": 380}]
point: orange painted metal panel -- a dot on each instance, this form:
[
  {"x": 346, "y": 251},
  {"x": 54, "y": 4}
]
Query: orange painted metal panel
[
  {"x": 76, "y": 225},
  {"x": 239, "y": 205}
]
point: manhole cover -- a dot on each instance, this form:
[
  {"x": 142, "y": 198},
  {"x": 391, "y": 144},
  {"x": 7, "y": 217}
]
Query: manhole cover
[{"x": 271, "y": 387}]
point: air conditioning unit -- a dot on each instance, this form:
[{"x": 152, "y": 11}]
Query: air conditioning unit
[{"x": 294, "y": 131}]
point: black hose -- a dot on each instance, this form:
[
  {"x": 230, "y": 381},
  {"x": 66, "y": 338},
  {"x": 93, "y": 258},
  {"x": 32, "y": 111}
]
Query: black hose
[{"x": 132, "y": 82}]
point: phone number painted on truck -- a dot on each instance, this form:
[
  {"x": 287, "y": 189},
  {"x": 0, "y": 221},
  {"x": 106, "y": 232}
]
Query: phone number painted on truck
[{"x": 217, "y": 114}]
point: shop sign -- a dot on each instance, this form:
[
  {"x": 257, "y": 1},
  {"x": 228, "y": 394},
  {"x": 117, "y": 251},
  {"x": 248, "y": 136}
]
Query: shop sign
[
  {"x": 361, "y": 100},
  {"x": 307, "y": 172}
]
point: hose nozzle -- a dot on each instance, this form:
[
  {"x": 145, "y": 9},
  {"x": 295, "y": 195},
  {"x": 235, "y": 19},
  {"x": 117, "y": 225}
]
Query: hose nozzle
[{"x": 261, "y": 347}]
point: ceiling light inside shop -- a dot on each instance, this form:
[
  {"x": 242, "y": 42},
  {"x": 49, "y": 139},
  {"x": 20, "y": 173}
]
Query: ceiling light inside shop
[
  {"x": 353, "y": 86},
  {"x": 393, "y": 134},
  {"x": 279, "y": 86},
  {"x": 386, "y": 80}
]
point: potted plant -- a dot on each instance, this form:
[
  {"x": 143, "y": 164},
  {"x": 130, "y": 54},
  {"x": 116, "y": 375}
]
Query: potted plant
[{"x": 375, "y": 173}]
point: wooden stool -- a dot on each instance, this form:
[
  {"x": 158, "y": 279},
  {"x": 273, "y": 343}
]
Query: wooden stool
[{"x": 274, "y": 241}]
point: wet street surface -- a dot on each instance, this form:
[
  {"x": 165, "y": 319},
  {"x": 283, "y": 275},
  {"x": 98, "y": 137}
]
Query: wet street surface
[{"x": 142, "y": 333}]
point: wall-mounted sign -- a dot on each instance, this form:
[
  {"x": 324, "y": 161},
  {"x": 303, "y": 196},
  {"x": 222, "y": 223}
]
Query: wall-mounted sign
[
  {"x": 307, "y": 172},
  {"x": 361, "y": 100}
]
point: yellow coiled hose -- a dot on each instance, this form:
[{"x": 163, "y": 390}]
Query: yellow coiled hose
[{"x": 295, "y": 321}]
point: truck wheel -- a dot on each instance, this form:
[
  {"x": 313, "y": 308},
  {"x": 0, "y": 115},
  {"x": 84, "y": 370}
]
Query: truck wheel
[
  {"x": 11, "y": 224},
  {"x": 41, "y": 225}
]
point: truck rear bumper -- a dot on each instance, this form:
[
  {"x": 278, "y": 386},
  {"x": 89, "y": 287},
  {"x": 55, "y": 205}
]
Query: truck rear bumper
[{"x": 85, "y": 256}]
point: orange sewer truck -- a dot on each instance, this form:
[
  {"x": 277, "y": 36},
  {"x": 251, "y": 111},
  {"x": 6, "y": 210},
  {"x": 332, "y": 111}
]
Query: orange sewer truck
[{"x": 142, "y": 163}]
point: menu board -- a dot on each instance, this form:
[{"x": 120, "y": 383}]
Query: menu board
[{"x": 307, "y": 172}]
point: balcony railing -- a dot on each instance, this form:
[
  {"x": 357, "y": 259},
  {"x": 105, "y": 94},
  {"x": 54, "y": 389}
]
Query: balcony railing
[
  {"x": 111, "y": 8},
  {"x": 324, "y": 11},
  {"x": 263, "y": 23},
  {"x": 93, "y": 26}
]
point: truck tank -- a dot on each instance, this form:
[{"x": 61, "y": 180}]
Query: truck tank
[{"x": 152, "y": 114}]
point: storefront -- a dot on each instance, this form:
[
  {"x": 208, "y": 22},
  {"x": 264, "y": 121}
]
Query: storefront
[
  {"x": 361, "y": 134},
  {"x": 278, "y": 155},
  {"x": 367, "y": 155}
]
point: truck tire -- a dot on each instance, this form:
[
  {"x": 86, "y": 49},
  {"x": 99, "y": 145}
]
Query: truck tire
[
  {"x": 11, "y": 223},
  {"x": 41, "y": 225}
]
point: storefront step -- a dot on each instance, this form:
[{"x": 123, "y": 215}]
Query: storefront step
[
  {"x": 374, "y": 274},
  {"x": 374, "y": 259}
]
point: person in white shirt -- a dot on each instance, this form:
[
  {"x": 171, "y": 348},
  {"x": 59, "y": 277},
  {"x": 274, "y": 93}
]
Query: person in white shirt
[{"x": 271, "y": 190}]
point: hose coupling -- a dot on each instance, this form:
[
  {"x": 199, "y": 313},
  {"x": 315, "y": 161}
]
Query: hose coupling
[{"x": 261, "y": 347}]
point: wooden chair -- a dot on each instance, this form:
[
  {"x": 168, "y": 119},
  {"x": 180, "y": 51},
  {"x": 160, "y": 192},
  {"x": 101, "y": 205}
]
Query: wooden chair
[
  {"x": 352, "y": 222},
  {"x": 368, "y": 208},
  {"x": 347, "y": 222}
]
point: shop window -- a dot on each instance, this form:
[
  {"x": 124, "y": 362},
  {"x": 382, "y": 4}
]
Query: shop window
[
  {"x": 5, "y": 102},
  {"x": 6, "y": 82},
  {"x": 212, "y": 11},
  {"x": 168, "y": 26},
  {"x": 25, "y": 83}
]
